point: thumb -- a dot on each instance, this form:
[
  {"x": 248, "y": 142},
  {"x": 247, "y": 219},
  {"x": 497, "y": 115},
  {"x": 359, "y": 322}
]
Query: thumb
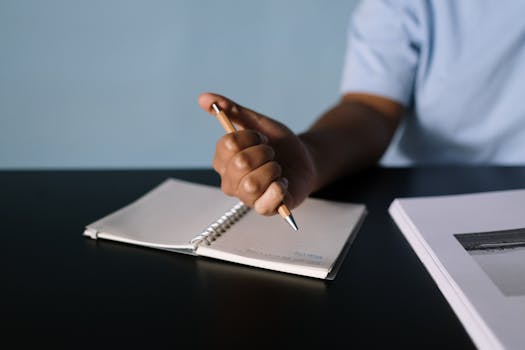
[{"x": 242, "y": 116}]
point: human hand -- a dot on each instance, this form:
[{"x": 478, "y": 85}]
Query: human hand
[{"x": 263, "y": 163}]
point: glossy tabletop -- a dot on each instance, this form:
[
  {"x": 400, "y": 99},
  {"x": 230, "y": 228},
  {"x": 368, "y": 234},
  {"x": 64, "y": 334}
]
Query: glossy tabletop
[{"x": 60, "y": 288}]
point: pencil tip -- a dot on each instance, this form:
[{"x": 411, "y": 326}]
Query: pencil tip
[{"x": 292, "y": 223}]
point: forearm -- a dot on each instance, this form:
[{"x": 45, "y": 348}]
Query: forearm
[{"x": 349, "y": 137}]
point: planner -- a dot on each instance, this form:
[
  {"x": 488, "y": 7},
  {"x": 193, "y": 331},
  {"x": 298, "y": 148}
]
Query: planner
[
  {"x": 473, "y": 246},
  {"x": 200, "y": 220}
]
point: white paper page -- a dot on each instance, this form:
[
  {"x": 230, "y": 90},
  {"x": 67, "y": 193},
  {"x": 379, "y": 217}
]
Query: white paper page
[
  {"x": 168, "y": 216},
  {"x": 493, "y": 319},
  {"x": 269, "y": 242}
]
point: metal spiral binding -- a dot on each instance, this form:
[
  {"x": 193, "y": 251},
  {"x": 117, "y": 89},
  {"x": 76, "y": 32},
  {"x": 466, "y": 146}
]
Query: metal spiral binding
[{"x": 219, "y": 226}]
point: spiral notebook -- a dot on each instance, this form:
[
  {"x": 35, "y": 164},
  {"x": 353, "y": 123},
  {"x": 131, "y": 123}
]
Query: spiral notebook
[{"x": 200, "y": 220}]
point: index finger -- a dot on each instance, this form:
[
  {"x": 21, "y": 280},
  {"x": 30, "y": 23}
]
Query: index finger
[{"x": 207, "y": 99}]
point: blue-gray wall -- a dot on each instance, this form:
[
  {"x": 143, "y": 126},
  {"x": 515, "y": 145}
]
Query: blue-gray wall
[{"x": 114, "y": 83}]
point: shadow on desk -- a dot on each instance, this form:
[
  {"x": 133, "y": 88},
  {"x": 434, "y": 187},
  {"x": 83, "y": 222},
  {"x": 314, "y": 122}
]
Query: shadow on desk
[
  {"x": 211, "y": 269},
  {"x": 204, "y": 269},
  {"x": 201, "y": 271}
]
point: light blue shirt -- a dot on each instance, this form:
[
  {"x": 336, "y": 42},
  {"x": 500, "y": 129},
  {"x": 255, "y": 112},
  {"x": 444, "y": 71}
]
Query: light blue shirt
[{"x": 459, "y": 68}]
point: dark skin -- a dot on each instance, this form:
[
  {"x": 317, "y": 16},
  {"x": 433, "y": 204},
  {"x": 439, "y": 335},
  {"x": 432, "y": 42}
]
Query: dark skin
[{"x": 265, "y": 163}]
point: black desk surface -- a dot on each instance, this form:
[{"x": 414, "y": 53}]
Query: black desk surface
[{"x": 59, "y": 287}]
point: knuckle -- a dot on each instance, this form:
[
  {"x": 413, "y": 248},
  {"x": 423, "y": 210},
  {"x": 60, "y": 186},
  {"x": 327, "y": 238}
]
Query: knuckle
[
  {"x": 250, "y": 185},
  {"x": 231, "y": 143},
  {"x": 242, "y": 161}
]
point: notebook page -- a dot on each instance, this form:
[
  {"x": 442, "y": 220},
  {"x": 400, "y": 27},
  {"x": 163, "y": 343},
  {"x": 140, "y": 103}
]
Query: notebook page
[
  {"x": 268, "y": 242},
  {"x": 168, "y": 216}
]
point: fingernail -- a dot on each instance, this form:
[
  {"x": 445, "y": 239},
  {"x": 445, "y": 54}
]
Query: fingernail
[{"x": 284, "y": 182}]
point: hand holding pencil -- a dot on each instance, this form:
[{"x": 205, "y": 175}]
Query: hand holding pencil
[
  {"x": 229, "y": 128},
  {"x": 263, "y": 163}
]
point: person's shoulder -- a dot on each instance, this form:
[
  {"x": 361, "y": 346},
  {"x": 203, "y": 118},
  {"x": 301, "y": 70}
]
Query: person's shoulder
[{"x": 386, "y": 13}]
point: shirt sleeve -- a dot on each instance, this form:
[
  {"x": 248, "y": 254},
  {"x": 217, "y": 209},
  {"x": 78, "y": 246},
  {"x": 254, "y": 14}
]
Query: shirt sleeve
[{"x": 382, "y": 50}]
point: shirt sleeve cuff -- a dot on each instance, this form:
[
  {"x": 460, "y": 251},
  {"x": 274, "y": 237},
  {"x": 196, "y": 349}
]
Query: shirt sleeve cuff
[{"x": 377, "y": 85}]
